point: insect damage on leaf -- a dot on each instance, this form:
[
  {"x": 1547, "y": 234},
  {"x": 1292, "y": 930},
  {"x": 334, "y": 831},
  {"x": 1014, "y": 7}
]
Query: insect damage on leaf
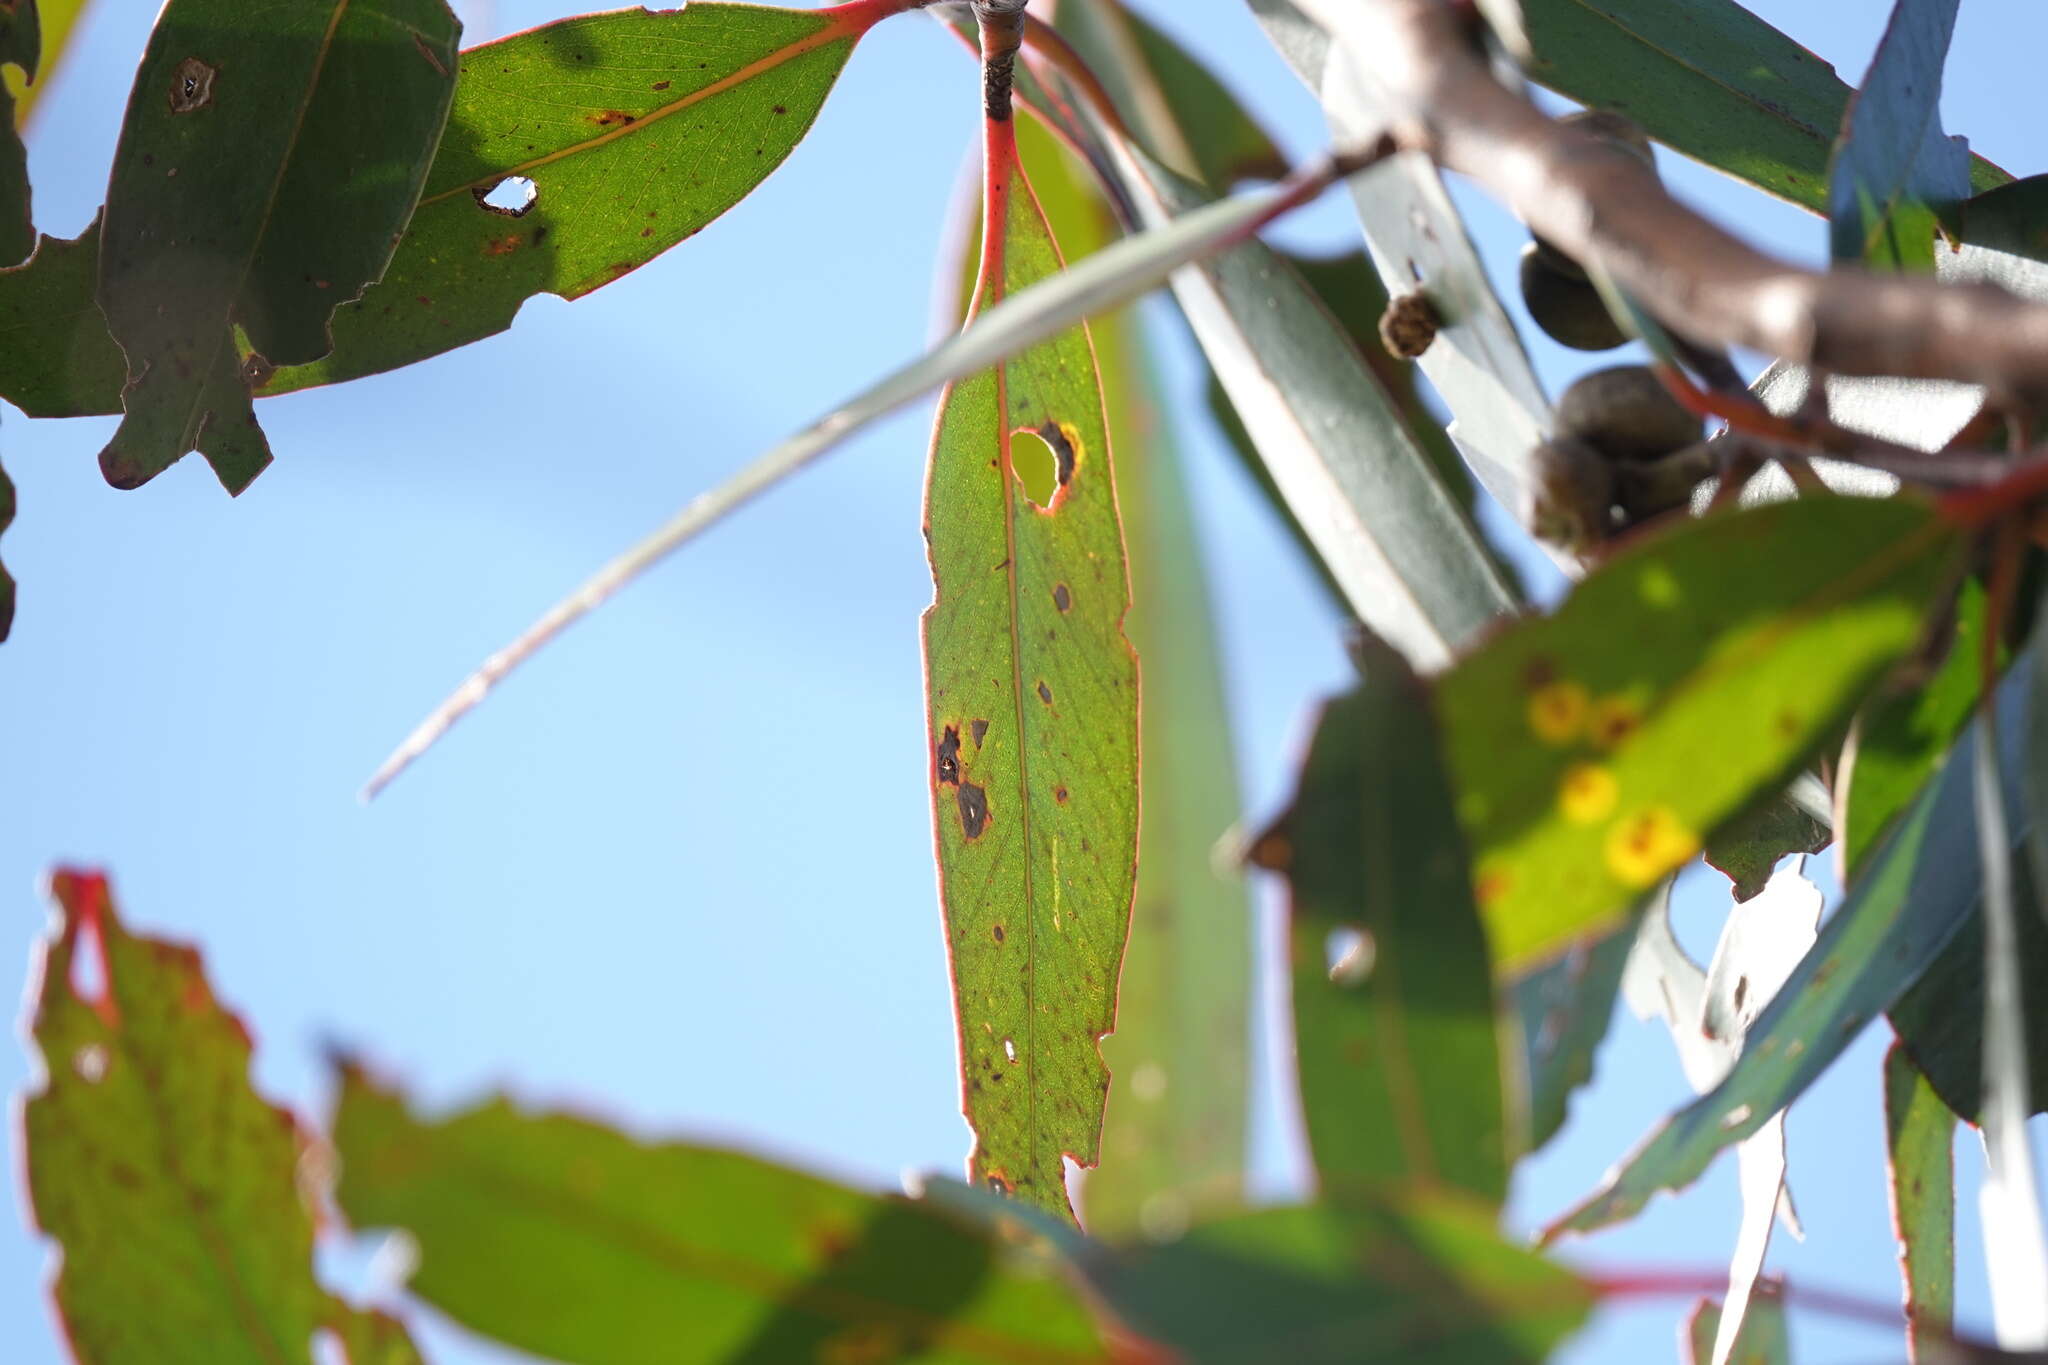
[{"x": 1036, "y": 819}]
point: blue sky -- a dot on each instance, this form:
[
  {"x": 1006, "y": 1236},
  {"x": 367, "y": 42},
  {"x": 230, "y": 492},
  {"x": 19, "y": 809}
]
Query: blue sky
[{"x": 678, "y": 872}]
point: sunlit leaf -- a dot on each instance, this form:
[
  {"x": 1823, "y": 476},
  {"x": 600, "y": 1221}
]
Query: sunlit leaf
[
  {"x": 1902, "y": 738},
  {"x": 1033, "y": 714},
  {"x": 1894, "y": 174},
  {"x": 1919, "y": 886},
  {"x": 1360, "y": 1278},
  {"x": 59, "y": 19},
  {"x": 1173, "y": 1137},
  {"x": 1395, "y": 1035},
  {"x": 1595, "y": 750},
  {"x": 1709, "y": 79},
  {"x": 173, "y": 1188},
  {"x": 20, "y": 50},
  {"x": 582, "y": 149},
  {"x": 269, "y": 160},
  {"x": 1919, "y": 1144},
  {"x": 569, "y": 1240},
  {"x": 1763, "y": 1339}
]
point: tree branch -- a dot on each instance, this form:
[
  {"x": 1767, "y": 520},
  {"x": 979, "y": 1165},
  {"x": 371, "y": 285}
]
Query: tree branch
[{"x": 1605, "y": 207}]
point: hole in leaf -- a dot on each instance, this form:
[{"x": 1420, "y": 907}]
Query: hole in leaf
[
  {"x": 89, "y": 963},
  {"x": 1035, "y": 466},
  {"x": 1349, "y": 953},
  {"x": 191, "y": 86},
  {"x": 514, "y": 196}
]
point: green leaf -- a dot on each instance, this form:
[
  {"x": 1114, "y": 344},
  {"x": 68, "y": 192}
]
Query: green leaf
[
  {"x": 1173, "y": 1137},
  {"x": 171, "y": 1185},
  {"x": 1895, "y": 175},
  {"x": 20, "y": 50},
  {"x": 1033, "y": 694},
  {"x": 1763, "y": 1339},
  {"x": 1918, "y": 888},
  {"x": 1418, "y": 240},
  {"x": 1902, "y": 738},
  {"x": 1363, "y": 1278},
  {"x": 1708, "y": 79},
  {"x": 1561, "y": 1010},
  {"x": 266, "y": 168},
  {"x": 569, "y": 1240},
  {"x": 1940, "y": 1020},
  {"x": 1749, "y": 846},
  {"x": 59, "y": 19},
  {"x": 1920, "y": 1146},
  {"x": 1406, "y": 553},
  {"x": 56, "y": 359},
  {"x": 635, "y": 128},
  {"x": 1187, "y": 118},
  {"x": 1395, "y": 1038},
  {"x": 1689, "y": 675}
]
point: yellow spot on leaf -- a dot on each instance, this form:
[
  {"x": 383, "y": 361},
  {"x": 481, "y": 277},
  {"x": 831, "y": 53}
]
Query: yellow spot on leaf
[
  {"x": 1643, "y": 846},
  {"x": 1658, "y": 586},
  {"x": 1557, "y": 712},
  {"x": 1587, "y": 794},
  {"x": 1613, "y": 719}
]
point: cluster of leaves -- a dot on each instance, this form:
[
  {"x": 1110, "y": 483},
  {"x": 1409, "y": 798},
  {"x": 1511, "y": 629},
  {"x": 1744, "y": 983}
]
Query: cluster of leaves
[{"x": 310, "y": 194}]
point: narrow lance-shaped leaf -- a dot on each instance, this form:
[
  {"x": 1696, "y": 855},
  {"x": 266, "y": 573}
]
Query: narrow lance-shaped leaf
[
  {"x": 1685, "y": 678},
  {"x": 1113, "y": 276},
  {"x": 1173, "y": 1136},
  {"x": 1033, "y": 714},
  {"x": 1189, "y": 119},
  {"x": 2009, "y": 1199},
  {"x": 1395, "y": 1034},
  {"x": 20, "y": 49},
  {"x": 1363, "y": 1277},
  {"x": 59, "y": 20},
  {"x": 1919, "y": 1143},
  {"x": 567, "y": 1239},
  {"x": 171, "y": 1185},
  {"x": 1894, "y": 173},
  {"x": 266, "y": 167},
  {"x": 1919, "y": 887},
  {"x": 1709, "y": 79}
]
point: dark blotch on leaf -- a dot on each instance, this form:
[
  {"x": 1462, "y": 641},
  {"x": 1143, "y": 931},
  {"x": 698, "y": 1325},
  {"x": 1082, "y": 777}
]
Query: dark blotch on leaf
[
  {"x": 1045, "y": 694},
  {"x": 948, "y": 767},
  {"x": 998, "y": 932},
  {"x": 973, "y": 810},
  {"x": 191, "y": 86},
  {"x": 980, "y": 728},
  {"x": 1061, "y": 598}
]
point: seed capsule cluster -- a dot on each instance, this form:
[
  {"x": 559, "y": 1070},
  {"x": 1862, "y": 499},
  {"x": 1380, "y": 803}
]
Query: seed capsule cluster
[{"x": 1625, "y": 451}]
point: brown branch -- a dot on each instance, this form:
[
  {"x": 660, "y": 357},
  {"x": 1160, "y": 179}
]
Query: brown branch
[{"x": 1603, "y": 205}]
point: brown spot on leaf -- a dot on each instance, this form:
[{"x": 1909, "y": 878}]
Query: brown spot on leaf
[
  {"x": 191, "y": 86},
  {"x": 502, "y": 246},
  {"x": 1045, "y": 694},
  {"x": 1061, "y": 598},
  {"x": 973, "y": 802},
  {"x": 948, "y": 765},
  {"x": 1059, "y": 794},
  {"x": 1539, "y": 672},
  {"x": 256, "y": 371},
  {"x": 661, "y": 85},
  {"x": 998, "y": 932},
  {"x": 780, "y": 110},
  {"x": 613, "y": 118},
  {"x": 980, "y": 729}
]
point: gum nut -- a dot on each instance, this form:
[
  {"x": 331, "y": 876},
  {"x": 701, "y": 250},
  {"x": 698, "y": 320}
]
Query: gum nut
[
  {"x": 1627, "y": 413},
  {"x": 1570, "y": 311}
]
